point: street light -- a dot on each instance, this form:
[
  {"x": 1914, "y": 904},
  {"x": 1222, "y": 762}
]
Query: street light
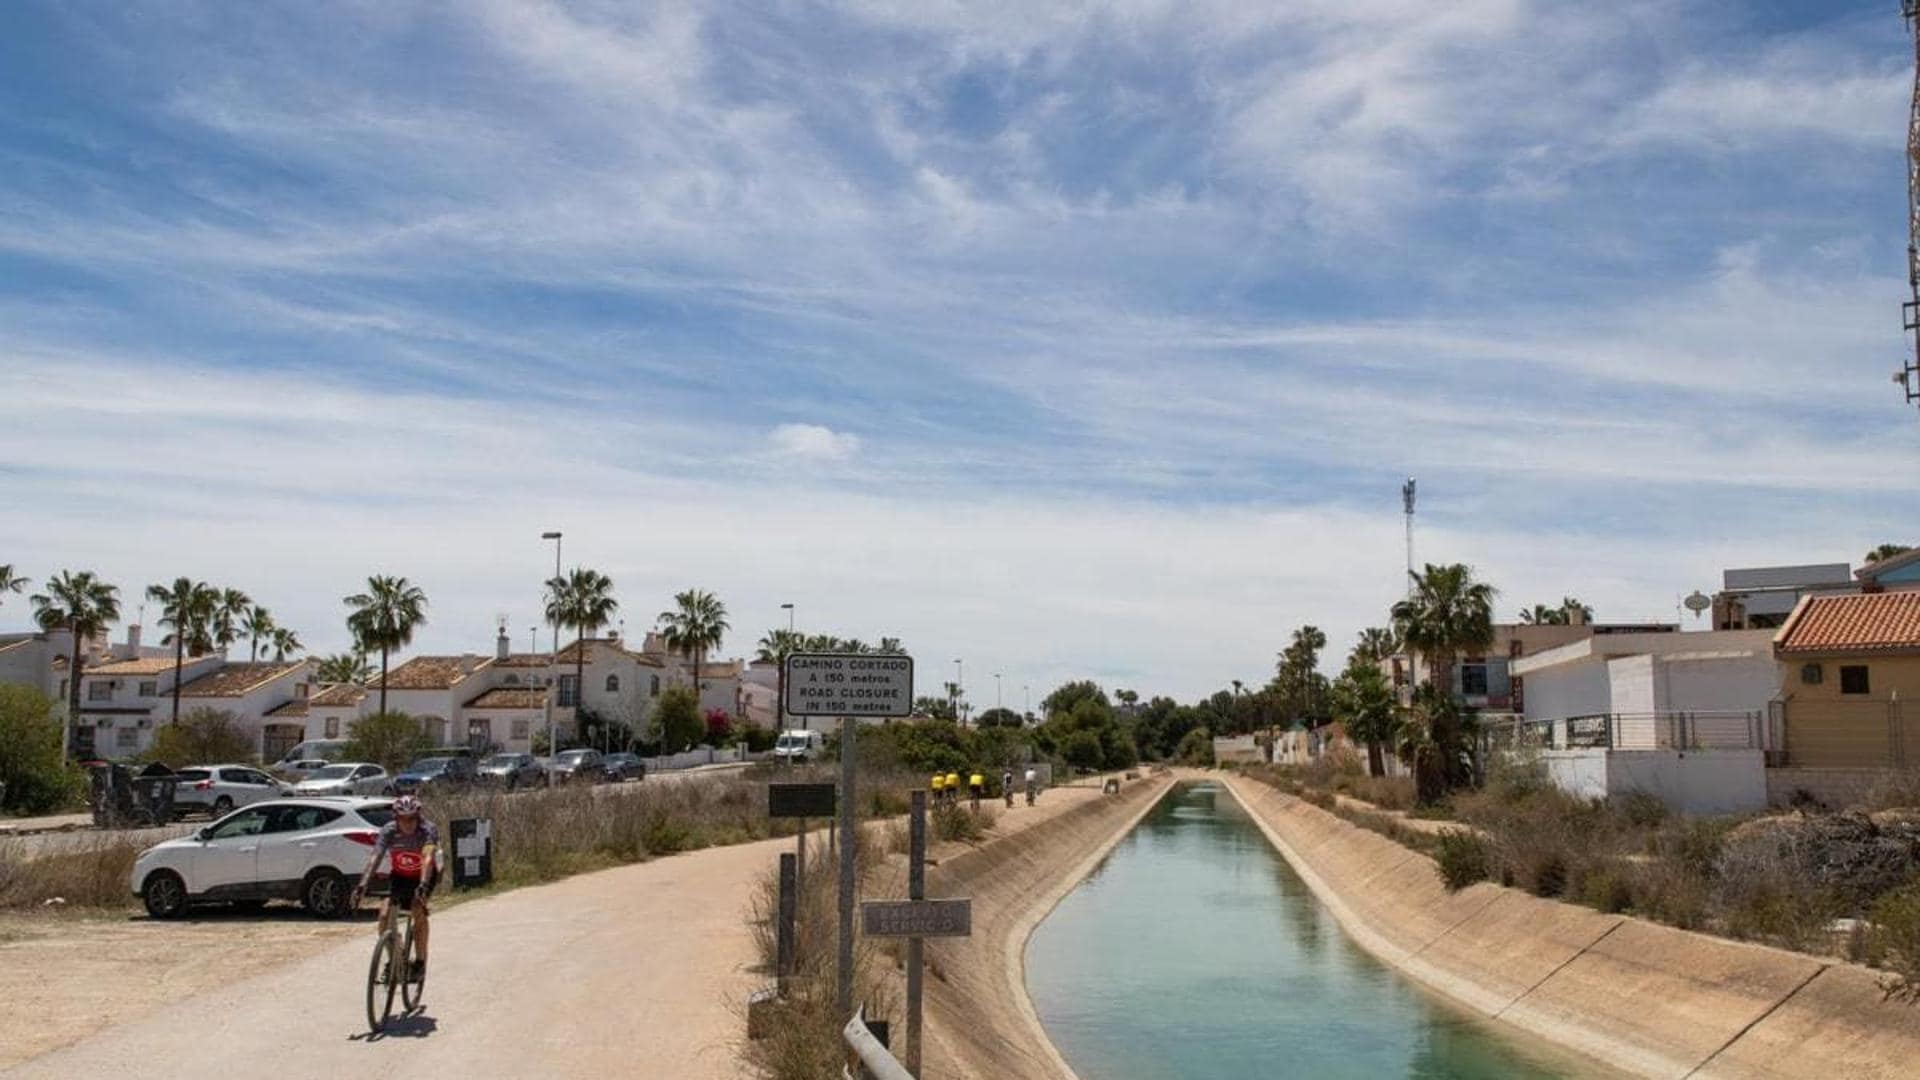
[
  {"x": 996, "y": 691},
  {"x": 553, "y": 686},
  {"x": 959, "y": 688},
  {"x": 780, "y": 707}
]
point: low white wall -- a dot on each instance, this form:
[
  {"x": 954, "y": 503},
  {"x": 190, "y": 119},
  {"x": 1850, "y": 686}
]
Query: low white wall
[{"x": 1692, "y": 782}]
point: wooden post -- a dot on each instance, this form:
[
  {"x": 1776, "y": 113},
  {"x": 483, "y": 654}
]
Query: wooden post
[
  {"x": 789, "y": 909},
  {"x": 916, "y": 890},
  {"x": 849, "y": 845}
]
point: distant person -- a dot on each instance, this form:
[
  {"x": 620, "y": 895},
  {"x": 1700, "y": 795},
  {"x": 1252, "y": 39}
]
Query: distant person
[
  {"x": 1006, "y": 787},
  {"x": 977, "y": 784},
  {"x": 933, "y": 786},
  {"x": 953, "y": 787}
]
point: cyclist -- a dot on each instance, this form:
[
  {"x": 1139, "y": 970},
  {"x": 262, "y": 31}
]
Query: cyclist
[
  {"x": 1032, "y": 778},
  {"x": 1006, "y": 787},
  {"x": 412, "y": 845},
  {"x": 934, "y": 787},
  {"x": 977, "y": 784},
  {"x": 952, "y": 787}
]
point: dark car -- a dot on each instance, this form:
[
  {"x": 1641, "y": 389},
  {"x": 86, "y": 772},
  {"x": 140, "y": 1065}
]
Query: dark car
[
  {"x": 512, "y": 771},
  {"x": 625, "y": 767},
  {"x": 437, "y": 773},
  {"x": 579, "y": 766}
]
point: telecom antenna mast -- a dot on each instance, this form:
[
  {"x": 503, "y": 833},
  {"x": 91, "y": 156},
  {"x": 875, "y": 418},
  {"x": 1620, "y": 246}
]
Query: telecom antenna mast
[
  {"x": 1909, "y": 374},
  {"x": 1407, "y": 492}
]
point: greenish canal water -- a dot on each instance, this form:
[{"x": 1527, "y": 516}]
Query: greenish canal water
[{"x": 1194, "y": 951}]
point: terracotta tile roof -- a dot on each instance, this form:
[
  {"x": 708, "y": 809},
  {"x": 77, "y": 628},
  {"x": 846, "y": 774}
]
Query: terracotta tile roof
[
  {"x": 570, "y": 654},
  {"x": 509, "y": 697},
  {"x": 337, "y": 694},
  {"x": 1854, "y": 623},
  {"x": 234, "y": 680},
  {"x": 432, "y": 672},
  {"x": 718, "y": 669},
  {"x": 525, "y": 660},
  {"x": 297, "y": 707},
  {"x": 145, "y": 665}
]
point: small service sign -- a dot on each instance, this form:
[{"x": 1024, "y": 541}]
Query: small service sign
[
  {"x": 849, "y": 684},
  {"x": 917, "y": 918}
]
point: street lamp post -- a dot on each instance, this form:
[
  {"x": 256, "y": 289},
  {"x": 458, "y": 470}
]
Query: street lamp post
[
  {"x": 996, "y": 692},
  {"x": 553, "y": 688},
  {"x": 959, "y": 689},
  {"x": 780, "y": 707}
]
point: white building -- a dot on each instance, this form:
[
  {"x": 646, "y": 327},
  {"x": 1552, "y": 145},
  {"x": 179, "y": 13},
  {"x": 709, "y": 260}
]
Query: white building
[
  {"x": 1679, "y": 716},
  {"x": 123, "y": 703}
]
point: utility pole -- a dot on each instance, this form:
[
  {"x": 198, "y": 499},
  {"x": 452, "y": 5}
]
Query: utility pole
[
  {"x": 1407, "y": 493},
  {"x": 1909, "y": 374},
  {"x": 553, "y": 688}
]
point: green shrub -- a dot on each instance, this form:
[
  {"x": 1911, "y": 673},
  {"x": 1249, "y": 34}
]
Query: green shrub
[
  {"x": 37, "y": 778},
  {"x": 1641, "y": 810},
  {"x": 1196, "y": 748},
  {"x": 1604, "y": 888},
  {"x": 676, "y": 720},
  {"x": 202, "y": 737},
  {"x": 1464, "y": 858},
  {"x": 390, "y": 739},
  {"x": 955, "y": 821},
  {"x": 1894, "y": 940}
]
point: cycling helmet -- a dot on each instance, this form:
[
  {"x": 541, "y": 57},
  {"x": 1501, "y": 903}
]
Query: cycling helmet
[{"x": 406, "y": 806}]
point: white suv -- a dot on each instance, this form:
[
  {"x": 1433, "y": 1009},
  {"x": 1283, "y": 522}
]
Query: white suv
[
  {"x": 306, "y": 850},
  {"x": 219, "y": 789}
]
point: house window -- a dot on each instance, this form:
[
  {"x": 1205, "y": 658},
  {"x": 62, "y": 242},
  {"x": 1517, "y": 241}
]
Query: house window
[
  {"x": 1473, "y": 678},
  {"x": 653, "y": 686},
  {"x": 126, "y": 738},
  {"x": 613, "y": 684},
  {"x": 513, "y": 680},
  {"x": 1853, "y": 679},
  {"x": 99, "y": 691},
  {"x": 149, "y": 688},
  {"x": 1812, "y": 674},
  {"x": 522, "y": 729},
  {"x": 479, "y": 732},
  {"x": 569, "y": 691},
  {"x": 333, "y": 727}
]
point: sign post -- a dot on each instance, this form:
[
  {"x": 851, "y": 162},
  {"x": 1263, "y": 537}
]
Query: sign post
[
  {"x": 783, "y": 933},
  {"x": 916, "y": 890},
  {"x": 800, "y": 801},
  {"x": 916, "y": 919},
  {"x": 849, "y": 686}
]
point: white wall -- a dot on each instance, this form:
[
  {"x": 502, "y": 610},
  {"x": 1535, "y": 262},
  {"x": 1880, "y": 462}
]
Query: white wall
[
  {"x": 1579, "y": 689},
  {"x": 1743, "y": 684},
  {"x": 1694, "y": 782}
]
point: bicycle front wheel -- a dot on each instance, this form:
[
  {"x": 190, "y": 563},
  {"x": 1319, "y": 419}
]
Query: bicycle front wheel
[
  {"x": 413, "y": 981},
  {"x": 380, "y": 983}
]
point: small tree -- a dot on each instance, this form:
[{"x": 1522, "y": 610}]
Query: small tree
[
  {"x": 1363, "y": 702},
  {"x": 388, "y": 739},
  {"x": 35, "y": 773},
  {"x": 202, "y": 737},
  {"x": 1196, "y": 747},
  {"x": 1082, "y": 750},
  {"x": 676, "y": 719},
  {"x": 719, "y": 727},
  {"x": 998, "y": 717}
]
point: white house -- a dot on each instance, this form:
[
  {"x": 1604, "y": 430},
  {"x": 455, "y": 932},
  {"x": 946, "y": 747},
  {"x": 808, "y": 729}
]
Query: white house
[
  {"x": 1680, "y": 716},
  {"x": 253, "y": 693},
  {"x": 122, "y": 701}
]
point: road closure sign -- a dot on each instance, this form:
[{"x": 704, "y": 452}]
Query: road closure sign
[{"x": 849, "y": 684}]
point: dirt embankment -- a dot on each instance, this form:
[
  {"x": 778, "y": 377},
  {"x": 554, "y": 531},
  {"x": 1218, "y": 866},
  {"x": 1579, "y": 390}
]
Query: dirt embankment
[
  {"x": 1636, "y": 996},
  {"x": 980, "y": 1021}
]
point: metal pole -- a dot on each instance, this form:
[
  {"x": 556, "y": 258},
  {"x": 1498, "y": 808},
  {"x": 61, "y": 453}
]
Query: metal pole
[
  {"x": 916, "y": 890},
  {"x": 847, "y": 857},
  {"x": 800, "y": 851},
  {"x": 784, "y": 931}
]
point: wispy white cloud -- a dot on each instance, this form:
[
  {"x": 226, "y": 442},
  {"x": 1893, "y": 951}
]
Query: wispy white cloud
[{"x": 815, "y": 442}]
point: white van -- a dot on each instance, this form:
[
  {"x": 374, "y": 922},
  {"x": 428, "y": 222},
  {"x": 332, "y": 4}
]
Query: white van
[
  {"x": 797, "y": 745},
  {"x": 309, "y": 757}
]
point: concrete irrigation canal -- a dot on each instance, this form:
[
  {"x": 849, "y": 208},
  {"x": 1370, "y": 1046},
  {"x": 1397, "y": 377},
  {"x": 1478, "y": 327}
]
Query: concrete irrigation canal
[{"x": 1194, "y": 950}]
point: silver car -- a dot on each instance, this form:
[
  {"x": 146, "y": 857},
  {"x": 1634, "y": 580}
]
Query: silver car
[
  {"x": 219, "y": 789},
  {"x": 348, "y": 778}
]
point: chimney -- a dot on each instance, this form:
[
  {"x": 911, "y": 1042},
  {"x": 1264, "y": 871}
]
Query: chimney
[
  {"x": 501, "y": 646},
  {"x": 133, "y": 641},
  {"x": 1576, "y": 616}
]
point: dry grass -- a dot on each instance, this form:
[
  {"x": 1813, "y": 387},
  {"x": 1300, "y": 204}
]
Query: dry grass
[{"x": 89, "y": 876}]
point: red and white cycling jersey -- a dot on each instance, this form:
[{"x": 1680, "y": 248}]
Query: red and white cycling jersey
[{"x": 407, "y": 852}]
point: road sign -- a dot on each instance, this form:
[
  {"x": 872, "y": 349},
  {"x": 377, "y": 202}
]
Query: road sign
[
  {"x": 800, "y": 800},
  {"x": 849, "y": 684},
  {"x": 917, "y": 918}
]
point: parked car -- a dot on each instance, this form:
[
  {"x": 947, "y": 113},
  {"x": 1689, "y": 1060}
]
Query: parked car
[
  {"x": 513, "y": 771},
  {"x": 220, "y": 789},
  {"x": 436, "y": 773},
  {"x": 579, "y": 766},
  {"x": 304, "y": 850},
  {"x": 352, "y": 778},
  {"x": 797, "y": 745},
  {"x": 308, "y": 756},
  {"x": 624, "y": 767}
]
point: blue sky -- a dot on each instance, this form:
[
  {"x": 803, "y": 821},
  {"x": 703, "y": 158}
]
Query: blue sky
[{"x": 1069, "y": 339}]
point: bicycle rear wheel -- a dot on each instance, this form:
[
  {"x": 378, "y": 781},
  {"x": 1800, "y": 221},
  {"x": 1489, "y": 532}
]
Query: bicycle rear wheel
[
  {"x": 412, "y": 983},
  {"x": 380, "y": 983}
]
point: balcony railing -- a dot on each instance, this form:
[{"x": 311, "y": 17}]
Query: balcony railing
[{"x": 1697, "y": 730}]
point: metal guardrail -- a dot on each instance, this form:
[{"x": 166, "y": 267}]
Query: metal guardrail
[{"x": 876, "y": 1060}]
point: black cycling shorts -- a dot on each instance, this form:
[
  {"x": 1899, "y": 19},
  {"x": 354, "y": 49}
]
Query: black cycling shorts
[{"x": 402, "y": 890}]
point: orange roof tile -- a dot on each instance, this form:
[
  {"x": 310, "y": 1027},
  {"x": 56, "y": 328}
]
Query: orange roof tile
[
  {"x": 234, "y": 680},
  {"x": 337, "y": 694},
  {"x": 432, "y": 672},
  {"x": 296, "y": 707},
  {"x": 1854, "y": 623},
  {"x": 145, "y": 665},
  {"x": 508, "y": 697}
]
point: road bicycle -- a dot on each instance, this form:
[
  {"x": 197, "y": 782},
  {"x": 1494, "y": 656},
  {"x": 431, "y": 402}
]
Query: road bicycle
[{"x": 392, "y": 971}]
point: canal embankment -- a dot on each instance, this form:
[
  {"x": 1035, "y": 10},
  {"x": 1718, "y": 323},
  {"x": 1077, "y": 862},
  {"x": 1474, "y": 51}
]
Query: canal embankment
[
  {"x": 980, "y": 1021},
  {"x": 1636, "y": 996}
]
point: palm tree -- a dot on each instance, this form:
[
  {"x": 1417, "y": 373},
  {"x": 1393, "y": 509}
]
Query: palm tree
[
  {"x": 82, "y": 605},
  {"x": 1363, "y": 703},
  {"x": 583, "y": 601},
  {"x": 257, "y": 623},
  {"x": 385, "y": 617},
  {"x": 1542, "y": 615},
  {"x": 346, "y": 667},
  {"x": 698, "y": 622},
  {"x": 186, "y": 606},
  {"x": 1571, "y": 606},
  {"x": 10, "y": 582},
  {"x": 229, "y": 612},
  {"x": 1376, "y": 643},
  {"x": 1884, "y": 551},
  {"x": 775, "y": 646},
  {"x": 1449, "y": 613},
  {"x": 284, "y": 641},
  {"x": 890, "y": 646}
]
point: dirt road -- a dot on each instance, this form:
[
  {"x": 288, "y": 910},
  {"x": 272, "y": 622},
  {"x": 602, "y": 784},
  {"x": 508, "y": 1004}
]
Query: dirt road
[{"x": 632, "y": 971}]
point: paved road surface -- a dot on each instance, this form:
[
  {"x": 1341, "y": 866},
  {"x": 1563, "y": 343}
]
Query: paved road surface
[{"x": 637, "y": 971}]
